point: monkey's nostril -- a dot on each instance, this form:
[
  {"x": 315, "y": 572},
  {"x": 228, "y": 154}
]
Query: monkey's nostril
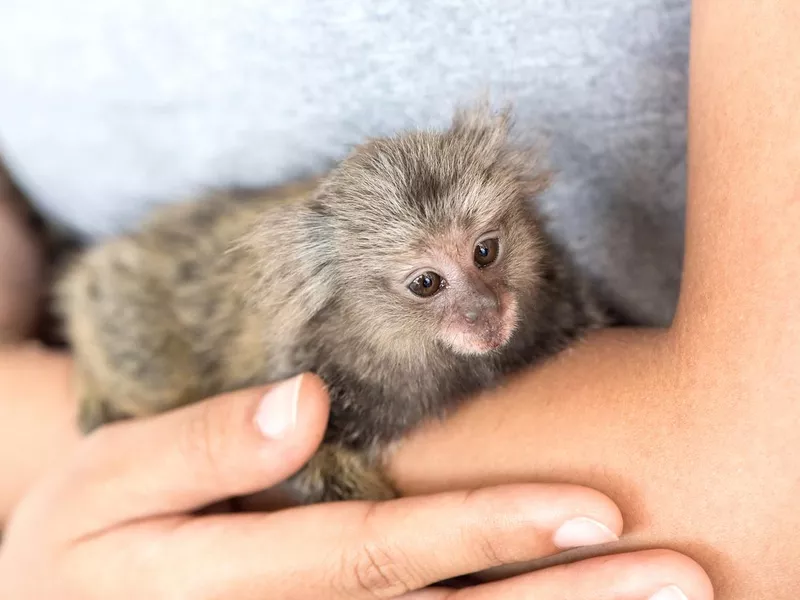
[{"x": 471, "y": 316}]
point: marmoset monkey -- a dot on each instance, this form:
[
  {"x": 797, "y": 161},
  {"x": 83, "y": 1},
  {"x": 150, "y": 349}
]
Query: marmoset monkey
[{"x": 416, "y": 273}]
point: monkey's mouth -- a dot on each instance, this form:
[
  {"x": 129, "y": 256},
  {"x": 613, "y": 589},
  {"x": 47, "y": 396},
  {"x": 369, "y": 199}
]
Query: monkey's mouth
[{"x": 490, "y": 333}]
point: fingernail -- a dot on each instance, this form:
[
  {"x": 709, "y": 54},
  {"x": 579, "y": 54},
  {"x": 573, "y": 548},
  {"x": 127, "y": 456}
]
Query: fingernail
[
  {"x": 277, "y": 413},
  {"x": 582, "y": 532},
  {"x": 672, "y": 592}
]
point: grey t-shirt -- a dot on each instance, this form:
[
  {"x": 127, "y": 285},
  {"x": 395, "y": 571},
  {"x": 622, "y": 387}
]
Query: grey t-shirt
[{"x": 107, "y": 108}]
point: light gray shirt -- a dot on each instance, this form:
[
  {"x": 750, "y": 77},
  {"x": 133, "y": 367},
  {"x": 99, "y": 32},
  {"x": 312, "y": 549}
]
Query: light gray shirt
[{"x": 107, "y": 108}]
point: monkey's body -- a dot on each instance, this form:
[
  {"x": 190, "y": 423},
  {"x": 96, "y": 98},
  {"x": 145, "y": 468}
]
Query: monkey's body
[
  {"x": 193, "y": 304},
  {"x": 157, "y": 318}
]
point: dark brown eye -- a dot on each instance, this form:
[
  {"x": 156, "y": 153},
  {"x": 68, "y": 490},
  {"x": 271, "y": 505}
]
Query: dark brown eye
[
  {"x": 486, "y": 252},
  {"x": 426, "y": 285}
]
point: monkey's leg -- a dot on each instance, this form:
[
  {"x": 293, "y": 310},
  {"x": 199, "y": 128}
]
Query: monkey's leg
[{"x": 337, "y": 473}]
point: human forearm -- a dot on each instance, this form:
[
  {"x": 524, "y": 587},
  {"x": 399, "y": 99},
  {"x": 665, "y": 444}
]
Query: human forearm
[
  {"x": 610, "y": 414},
  {"x": 577, "y": 394},
  {"x": 742, "y": 250},
  {"x": 621, "y": 414}
]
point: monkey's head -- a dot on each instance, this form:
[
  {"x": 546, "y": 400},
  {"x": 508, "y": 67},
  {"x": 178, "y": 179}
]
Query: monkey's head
[{"x": 433, "y": 237}]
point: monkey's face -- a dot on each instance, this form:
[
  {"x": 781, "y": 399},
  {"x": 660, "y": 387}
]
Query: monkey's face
[
  {"x": 454, "y": 267},
  {"x": 460, "y": 282},
  {"x": 463, "y": 290},
  {"x": 436, "y": 240}
]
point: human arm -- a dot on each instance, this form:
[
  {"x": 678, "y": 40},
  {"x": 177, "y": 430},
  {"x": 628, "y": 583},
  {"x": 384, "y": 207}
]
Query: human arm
[{"x": 693, "y": 429}]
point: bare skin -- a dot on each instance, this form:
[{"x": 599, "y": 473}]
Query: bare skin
[
  {"x": 20, "y": 268},
  {"x": 692, "y": 431}
]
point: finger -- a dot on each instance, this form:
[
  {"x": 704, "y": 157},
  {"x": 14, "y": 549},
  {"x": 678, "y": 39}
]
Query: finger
[
  {"x": 645, "y": 575},
  {"x": 364, "y": 550},
  {"x": 179, "y": 461}
]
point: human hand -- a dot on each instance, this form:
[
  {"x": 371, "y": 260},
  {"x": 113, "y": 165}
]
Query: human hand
[{"x": 119, "y": 520}]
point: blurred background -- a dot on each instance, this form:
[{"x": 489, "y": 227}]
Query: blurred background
[{"x": 108, "y": 108}]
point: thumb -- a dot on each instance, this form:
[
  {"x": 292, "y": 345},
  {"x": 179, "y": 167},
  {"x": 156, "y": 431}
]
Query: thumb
[{"x": 179, "y": 461}]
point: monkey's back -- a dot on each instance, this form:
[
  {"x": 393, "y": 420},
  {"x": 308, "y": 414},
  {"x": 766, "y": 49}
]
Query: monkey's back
[{"x": 159, "y": 317}]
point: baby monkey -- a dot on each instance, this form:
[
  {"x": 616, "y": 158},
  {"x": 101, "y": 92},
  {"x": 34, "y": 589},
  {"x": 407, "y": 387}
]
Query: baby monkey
[{"x": 415, "y": 274}]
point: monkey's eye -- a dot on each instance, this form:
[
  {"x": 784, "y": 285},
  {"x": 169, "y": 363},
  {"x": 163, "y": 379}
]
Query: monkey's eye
[
  {"x": 486, "y": 252},
  {"x": 426, "y": 285}
]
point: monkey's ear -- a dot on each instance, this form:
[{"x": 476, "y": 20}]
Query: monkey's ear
[{"x": 289, "y": 253}]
